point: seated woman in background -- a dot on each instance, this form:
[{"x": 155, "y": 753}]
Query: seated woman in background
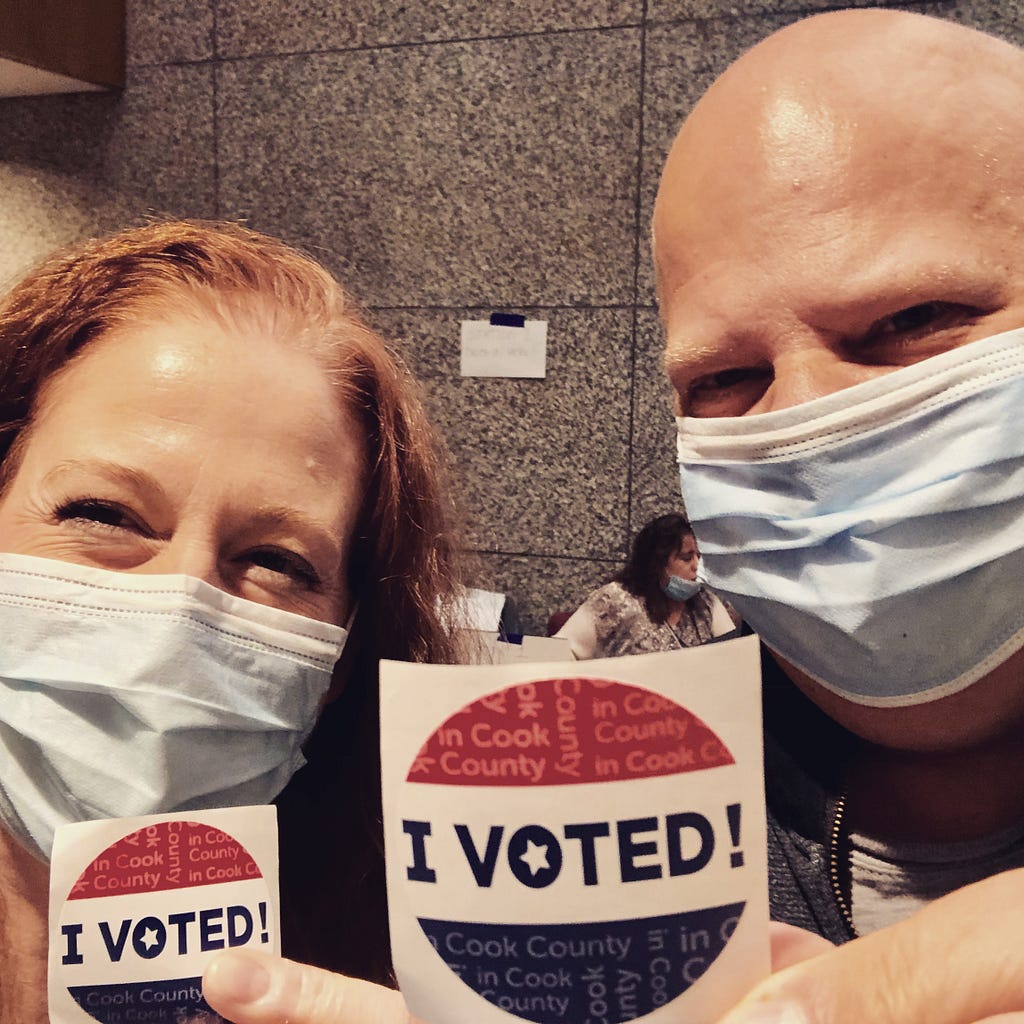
[
  {"x": 214, "y": 479},
  {"x": 654, "y": 603}
]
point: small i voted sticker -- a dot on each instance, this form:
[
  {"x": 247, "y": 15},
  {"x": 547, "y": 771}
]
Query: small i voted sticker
[
  {"x": 139, "y": 906},
  {"x": 577, "y": 843}
]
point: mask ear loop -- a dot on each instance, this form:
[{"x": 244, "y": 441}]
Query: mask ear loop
[
  {"x": 351, "y": 619},
  {"x": 337, "y": 684}
]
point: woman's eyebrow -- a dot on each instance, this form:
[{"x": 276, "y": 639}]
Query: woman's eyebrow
[
  {"x": 137, "y": 480},
  {"x": 319, "y": 534}
]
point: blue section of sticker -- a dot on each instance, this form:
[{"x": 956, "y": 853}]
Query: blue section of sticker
[
  {"x": 156, "y": 1002},
  {"x": 602, "y": 970},
  {"x": 508, "y": 320}
]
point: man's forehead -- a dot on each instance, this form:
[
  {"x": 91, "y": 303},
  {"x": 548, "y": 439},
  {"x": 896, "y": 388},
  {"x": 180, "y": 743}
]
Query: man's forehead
[
  {"x": 795, "y": 162},
  {"x": 809, "y": 118}
]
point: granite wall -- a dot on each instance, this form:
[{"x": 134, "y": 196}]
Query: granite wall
[{"x": 446, "y": 158}]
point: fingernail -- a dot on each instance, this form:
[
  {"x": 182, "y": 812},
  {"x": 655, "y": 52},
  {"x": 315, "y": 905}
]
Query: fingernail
[
  {"x": 767, "y": 1013},
  {"x": 236, "y": 977}
]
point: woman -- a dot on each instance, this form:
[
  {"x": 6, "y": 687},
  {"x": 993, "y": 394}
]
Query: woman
[
  {"x": 655, "y": 603},
  {"x": 197, "y": 431}
]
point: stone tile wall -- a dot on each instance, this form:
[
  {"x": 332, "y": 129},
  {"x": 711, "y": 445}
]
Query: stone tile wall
[{"x": 446, "y": 158}]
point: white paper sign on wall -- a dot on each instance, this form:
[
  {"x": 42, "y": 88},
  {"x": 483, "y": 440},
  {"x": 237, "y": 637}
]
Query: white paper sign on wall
[{"x": 507, "y": 345}]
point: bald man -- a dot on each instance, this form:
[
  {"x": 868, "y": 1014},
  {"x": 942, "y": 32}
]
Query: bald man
[{"x": 836, "y": 239}]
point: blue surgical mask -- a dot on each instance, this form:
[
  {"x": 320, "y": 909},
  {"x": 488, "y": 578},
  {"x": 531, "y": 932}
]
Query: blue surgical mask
[
  {"x": 875, "y": 537},
  {"x": 678, "y": 589},
  {"x": 125, "y": 694}
]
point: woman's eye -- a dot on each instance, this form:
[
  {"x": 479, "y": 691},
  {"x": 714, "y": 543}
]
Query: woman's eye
[
  {"x": 101, "y": 513},
  {"x": 286, "y": 563}
]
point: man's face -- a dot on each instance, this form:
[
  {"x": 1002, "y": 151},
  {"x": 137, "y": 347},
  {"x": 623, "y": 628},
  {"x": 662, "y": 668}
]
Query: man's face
[
  {"x": 823, "y": 256},
  {"x": 805, "y": 247}
]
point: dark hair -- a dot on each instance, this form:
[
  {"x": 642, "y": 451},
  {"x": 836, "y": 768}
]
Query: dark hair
[
  {"x": 403, "y": 570},
  {"x": 652, "y": 547}
]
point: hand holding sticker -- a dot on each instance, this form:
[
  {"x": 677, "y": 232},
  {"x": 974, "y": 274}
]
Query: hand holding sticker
[
  {"x": 575, "y": 846},
  {"x": 138, "y": 906}
]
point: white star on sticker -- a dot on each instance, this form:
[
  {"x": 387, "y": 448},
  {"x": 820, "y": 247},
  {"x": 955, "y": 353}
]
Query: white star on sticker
[
  {"x": 149, "y": 939},
  {"x": 536, "y": 856}
]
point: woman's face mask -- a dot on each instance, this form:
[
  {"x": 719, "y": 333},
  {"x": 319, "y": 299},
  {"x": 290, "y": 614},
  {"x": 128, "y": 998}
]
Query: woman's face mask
[
  {"x": 125, "y": 694},
  {"x": 676, "y": 588},
  {"x": 218, "y": 460},
  {"x": 875, "y": 538}
]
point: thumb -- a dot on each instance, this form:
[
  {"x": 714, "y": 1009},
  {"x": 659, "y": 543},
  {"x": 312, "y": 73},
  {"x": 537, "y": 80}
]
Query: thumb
[
  {"x": 252, "y": 987},
  {"x": 957, "y": 961},
  {"x": 791, "y": 945}
]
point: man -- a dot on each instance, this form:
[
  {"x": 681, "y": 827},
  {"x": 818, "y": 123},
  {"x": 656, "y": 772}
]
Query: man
[
  {"x": 868, "y": 221},
  {"x": 844, "y": 209},
  {"x": 844, "y": 204}
]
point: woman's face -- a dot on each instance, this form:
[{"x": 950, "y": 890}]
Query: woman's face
[
  {"x": 183, "y": 446},
  {"x": 684, "y": 562}
]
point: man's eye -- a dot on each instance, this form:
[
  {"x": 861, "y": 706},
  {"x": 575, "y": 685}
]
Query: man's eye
[
  {"x": 286, "y": 563},
  {"x": 102, "y": 513},
  {"x": 726, "y": 392},
  {"x": 925, "y": 317}
]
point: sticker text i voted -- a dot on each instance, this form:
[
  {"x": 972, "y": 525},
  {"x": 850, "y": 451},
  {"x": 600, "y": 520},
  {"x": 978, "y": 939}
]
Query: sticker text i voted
[{"x": 647, "y": 848}]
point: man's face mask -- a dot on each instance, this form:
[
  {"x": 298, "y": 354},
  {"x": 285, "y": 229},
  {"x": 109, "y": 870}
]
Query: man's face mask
[
  {"x": 125, "y": 694},
  {"x": 875, "y": 537}
]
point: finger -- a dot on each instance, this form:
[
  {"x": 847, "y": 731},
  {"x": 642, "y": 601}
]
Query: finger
[
  {"x": 790, "y": 945},
  {"x": 251, "y": 987},
  {"x": 957, "y": 961},
  {"x": 1004, "y": 1018}
]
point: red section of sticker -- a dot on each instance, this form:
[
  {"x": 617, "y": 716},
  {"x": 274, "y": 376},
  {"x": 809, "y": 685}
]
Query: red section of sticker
[
  {"x": 557, "y": 732},
  {"x": 167, "y": 855}
]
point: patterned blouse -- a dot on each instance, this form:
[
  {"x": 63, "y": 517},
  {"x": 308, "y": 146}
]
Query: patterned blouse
[{"x": 612, "y": 622}]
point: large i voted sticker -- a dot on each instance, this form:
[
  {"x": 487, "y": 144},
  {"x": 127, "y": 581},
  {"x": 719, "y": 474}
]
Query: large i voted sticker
[
  {"x": 577, "y": 846},
  {"x": 138, "y": 907}
]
